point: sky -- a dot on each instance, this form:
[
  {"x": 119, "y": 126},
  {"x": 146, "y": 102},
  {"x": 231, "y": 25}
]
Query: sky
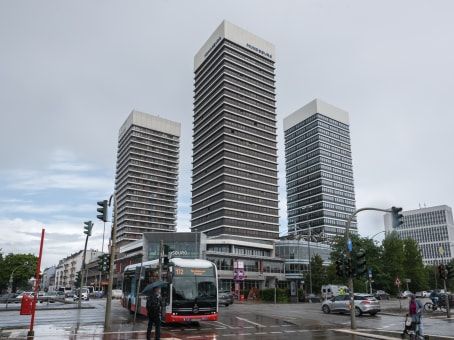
[{"x": 71, "y": 72}]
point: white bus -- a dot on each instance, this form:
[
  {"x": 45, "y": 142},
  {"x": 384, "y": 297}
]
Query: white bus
[{"x": 191, "y": 293}]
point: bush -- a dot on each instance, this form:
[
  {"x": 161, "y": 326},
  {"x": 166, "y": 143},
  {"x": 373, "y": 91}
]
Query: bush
[{"x": 282, "y": 295}]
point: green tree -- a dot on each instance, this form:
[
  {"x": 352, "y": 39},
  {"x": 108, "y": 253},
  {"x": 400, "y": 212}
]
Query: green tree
[
  {"x": 393, "y": 262},
  {"x": 413, "y": 266},
  {"x": 22, "y": 272},
  {"x": 318, "y": 272}
]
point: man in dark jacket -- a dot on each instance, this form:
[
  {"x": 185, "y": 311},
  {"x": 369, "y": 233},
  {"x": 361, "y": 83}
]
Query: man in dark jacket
[{"x": 154, "y": 310}]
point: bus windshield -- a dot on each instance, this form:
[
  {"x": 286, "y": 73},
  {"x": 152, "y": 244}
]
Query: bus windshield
[{"x": 191, "y": 284}]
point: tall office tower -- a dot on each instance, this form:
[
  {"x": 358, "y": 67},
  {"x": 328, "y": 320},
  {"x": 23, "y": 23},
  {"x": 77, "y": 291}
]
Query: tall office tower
[
  {"x": 320, "y": 192},
  {"x": 432, "y": 228},
  {"x": 234, "y": 188},
  {"x": 147, "y": 176}
]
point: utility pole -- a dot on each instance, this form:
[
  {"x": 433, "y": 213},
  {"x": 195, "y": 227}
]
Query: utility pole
[
  {"x": 397, "y": 220},
  {"x": 309, "y": 253},
  {"x": 161, "y": 254},
  {"x": 88, "y": 226},
  {"x": 111, "y": 266}
]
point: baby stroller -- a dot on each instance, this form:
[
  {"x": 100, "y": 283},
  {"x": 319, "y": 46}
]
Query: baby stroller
[{"x": 411, "y": 328}]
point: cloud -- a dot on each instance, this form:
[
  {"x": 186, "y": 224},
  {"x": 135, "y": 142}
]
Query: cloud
[{"x": 61, "y": 238}]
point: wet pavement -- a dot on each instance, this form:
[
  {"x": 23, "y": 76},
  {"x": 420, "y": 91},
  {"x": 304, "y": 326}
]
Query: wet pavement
[{"x": 241, "y": 321}]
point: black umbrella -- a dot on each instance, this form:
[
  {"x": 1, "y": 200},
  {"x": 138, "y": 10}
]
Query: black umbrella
[{"x": 148, "y": 290}]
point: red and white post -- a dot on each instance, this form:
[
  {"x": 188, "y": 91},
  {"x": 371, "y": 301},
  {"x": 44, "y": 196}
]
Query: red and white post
[{"x": 31, "y": 332}]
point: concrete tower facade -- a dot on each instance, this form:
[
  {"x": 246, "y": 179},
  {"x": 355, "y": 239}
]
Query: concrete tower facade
[
  {"x": 147, "y": 176},
  {"x": 234, "y": 187}
]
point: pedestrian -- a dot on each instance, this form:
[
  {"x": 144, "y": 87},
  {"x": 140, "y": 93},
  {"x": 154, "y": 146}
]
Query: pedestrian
[
  {"x": 415, "y": 308},
  {"x": 154, "y": 311}
]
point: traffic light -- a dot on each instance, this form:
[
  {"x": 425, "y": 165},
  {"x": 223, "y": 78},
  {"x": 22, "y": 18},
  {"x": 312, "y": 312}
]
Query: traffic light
[
  {"x": 88, "y": 226},
  {"x": 450, "y": 269},
  {"x": 360, "y": 263},
  {"x": 343, "y": 266},
  {"x": 397, "y": 217},
  {"x": 104, "y": 263},
  {"x": 78, "y": 279},
  {"x": 102, "y": 210},
  {"x": 442, "y": 271}
]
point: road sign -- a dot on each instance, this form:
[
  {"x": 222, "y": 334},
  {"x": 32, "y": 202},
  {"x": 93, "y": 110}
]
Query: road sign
[
  {"x": 349, "y": 245},
  {"x": 370, "y": 273},
  {"x": 397, "y": 282}
]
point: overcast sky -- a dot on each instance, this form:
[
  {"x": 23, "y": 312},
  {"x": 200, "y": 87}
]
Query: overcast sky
[{"x": 71, "y": 71}]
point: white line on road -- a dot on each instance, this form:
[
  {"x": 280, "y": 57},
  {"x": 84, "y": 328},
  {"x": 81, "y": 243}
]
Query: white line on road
[
  {"x": 252, "y": 322},
  {"x": 223, "y": 324}
]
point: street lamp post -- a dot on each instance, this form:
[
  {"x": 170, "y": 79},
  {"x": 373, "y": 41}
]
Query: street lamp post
[{"x": 10, "y": 287}]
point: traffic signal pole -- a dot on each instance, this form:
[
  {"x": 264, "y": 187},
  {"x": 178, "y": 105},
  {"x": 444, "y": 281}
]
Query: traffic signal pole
[
  {"x": 82, "y": 273},
  {"x": 349, "y": 257},
  {"x": 111, "y": 267}
]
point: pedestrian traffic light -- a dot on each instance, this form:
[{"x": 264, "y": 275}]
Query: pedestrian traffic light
[
  {"x": 88, "y": 226},
  {"x": 102, "y": 210},
  {"x": 341, "y": 266},
  {"x": 360, "y": 263},
  {"x": 442, "y": 271},
  {"x": 397, "y": 217}
]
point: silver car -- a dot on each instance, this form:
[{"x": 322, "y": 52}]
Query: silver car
[{"x": 364, "y": 304}]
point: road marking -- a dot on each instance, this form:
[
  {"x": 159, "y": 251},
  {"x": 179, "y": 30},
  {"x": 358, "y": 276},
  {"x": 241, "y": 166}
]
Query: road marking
[
  {"x": 286, "y": 325},
  {"x": 275, "y": 332},
  {"x": 260, "y": 333},
  {"x": 289, "y": 331},
  {"x": 245, "y": 334},
  {"x": 252, "y": 322},
  {"x": 223, "y": 324},
  {"x": 275, "y": 326}
]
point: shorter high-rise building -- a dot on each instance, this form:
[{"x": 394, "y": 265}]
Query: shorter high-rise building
[
  {"x": 320, "y": 191},
  {"x": 432, "y": 228},
  {"x": 147, "y": 175}
]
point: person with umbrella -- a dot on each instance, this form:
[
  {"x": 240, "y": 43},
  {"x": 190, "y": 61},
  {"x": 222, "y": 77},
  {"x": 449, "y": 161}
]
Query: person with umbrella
[{"x": 154, "y": 308}]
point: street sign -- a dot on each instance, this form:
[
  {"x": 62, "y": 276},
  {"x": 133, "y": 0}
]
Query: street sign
[
  {"x": 407, "y": 280},
  {"x": 349, "y": 245},
  {"x": 370, "y": 273},
  {"x": 397, "y": 282}
]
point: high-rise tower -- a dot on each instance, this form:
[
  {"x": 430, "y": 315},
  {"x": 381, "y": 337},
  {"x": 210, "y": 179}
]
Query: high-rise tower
[
  {"x": 147, "y": 175},
  {"x": 320, "y": 191},
  {"x": 234, "y": 188}
]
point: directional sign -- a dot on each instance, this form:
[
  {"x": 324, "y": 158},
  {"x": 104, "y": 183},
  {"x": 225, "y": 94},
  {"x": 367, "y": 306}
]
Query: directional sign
[
  {"x": 349, "y": 245},
  {"x": 370, "y": 273}
]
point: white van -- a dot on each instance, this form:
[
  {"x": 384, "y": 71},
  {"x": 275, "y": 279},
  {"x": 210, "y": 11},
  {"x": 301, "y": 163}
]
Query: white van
[{"x": 329, "y": 291}]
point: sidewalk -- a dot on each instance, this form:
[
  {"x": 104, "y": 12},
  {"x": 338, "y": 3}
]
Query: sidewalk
[{"x": 47, "y": 306}]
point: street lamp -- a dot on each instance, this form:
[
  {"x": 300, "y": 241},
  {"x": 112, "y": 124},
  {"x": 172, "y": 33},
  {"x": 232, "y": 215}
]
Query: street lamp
[{"x": 10, "y": 288}]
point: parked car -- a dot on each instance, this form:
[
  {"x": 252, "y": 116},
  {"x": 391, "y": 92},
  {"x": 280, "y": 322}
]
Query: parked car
[
  {"x": 381, "y": 295},
  {"x": 225, "y": 297},
  {"x": 8, "y": 297},
  {"x": 117, "y": 293},
  {"x": 364, "y": 303},
  {"x": 423, "y": 294},
  {"x": 69, "y": 294},
  {"x": 83, "y": 295},
  {"x": 405, "y": 294},
  {"x": 21, "y": 295}
]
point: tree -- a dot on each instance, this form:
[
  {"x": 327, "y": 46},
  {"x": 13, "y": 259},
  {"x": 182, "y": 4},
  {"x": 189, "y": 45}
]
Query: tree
[
  {"x": 392, "y": 261},
  {"x": 413, "y": 266},
  {"x": 318, "y": 273},
  {"x": 22, "y": 272}
]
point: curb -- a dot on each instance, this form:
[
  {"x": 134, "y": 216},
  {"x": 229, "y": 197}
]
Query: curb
[{"x": 44, "y": 309}]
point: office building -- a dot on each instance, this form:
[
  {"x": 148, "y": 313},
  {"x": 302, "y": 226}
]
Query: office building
[
  {"x": 320, "y": 191},
  {"x": 432, "y": 228},
  {"x": 262, "y": 267},
  {"x": 147, "y": 175},
  {"x": 234, "y": 188}
]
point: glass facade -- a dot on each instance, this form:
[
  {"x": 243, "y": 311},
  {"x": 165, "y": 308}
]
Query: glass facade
[
  {"x": 433, "y": 229},
  {"x": 320, "y": 191}
]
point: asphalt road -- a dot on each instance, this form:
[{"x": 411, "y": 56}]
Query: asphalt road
[{"x": 241, "y": 321}]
